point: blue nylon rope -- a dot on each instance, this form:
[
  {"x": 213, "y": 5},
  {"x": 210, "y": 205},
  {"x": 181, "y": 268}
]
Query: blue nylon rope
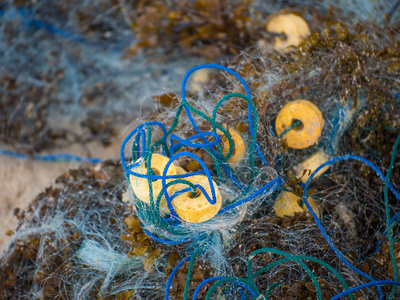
[
  {"x": 242, "y": 81},
  {"x": 268, "y": 188},
  {"x": 62, "y": 157},
  {"x": 186, "y": 142},
  {"x": 365, "y": 285},
  {"x": 318, "y": 222},
  {"x": 163, "y": 241},
  {"x": 204, "y": 282},
  {"x": 130, "y": 135},
  {"x": 171, "y": 276}
]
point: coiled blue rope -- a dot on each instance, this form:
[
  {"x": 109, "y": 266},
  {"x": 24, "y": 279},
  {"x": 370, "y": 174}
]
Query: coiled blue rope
[{"x": 242, "y": 81}]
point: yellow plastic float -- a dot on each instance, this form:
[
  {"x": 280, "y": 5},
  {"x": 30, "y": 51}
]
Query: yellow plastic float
[
  {"x": 180, "y": 170},
  {"x": 311, "y": 126},
  {"x": 140, "y": 186},
  {"x": 196, "y": 209},
  {"x": 311, "y": 164},
  {"x": 293, "y": 26},
  {"x": 239, "y": 149},
  {"x": 287, "y": 204}
]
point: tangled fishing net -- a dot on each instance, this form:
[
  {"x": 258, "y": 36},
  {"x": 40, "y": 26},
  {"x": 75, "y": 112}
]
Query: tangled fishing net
[{"x": 191, "y": 209}]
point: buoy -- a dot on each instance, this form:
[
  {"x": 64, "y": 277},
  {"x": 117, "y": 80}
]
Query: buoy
[
  {"x": 310, "y": 128},
  {"x": 197, "y": 209}
]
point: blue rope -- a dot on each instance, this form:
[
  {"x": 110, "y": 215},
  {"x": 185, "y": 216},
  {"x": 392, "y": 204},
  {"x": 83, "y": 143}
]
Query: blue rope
[
  {"x": 130, "y": 135},
  {"x": 365, "y": 285},
  {"x": 318, "y": 222},
  {"x": 268, "y": 188},
  {"x": 205, "y": 281},
  {"x": 243, "y": 285},
  {"x": 211, "y": 200},
  {"x": 242, "y": 81},
  {"x": 163, "y": 241},
  {"x": 51, "y": 157},
  {"x": 186, "y": 142},
  {"x": 171, "y": 276},
  {"x": 140, "y": 136}
]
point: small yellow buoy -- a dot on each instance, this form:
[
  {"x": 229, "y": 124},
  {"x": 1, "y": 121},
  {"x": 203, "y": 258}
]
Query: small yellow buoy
[
  {"x": 196, "y": 209},
  {"x": 287, "y": 204},
  {"x": 140, "y": 186},
  {"x": 311, "y": 121},
  {"x": 180, "y": 170},
  {"x": 311, "y": 163},
  {"x": 293, "y": 26},
  {"x": 239, "y": 149}
]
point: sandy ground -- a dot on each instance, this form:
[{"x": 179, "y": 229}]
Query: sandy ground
[{"x": 21, "y": 180}]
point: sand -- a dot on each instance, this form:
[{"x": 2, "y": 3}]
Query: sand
[{"x": 21, "y": 180}]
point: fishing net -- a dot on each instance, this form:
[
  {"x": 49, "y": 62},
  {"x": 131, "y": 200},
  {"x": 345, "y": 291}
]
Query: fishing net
[{"x": 116, "y": 231}]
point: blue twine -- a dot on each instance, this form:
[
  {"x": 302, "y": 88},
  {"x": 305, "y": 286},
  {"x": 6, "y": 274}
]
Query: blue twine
[
  {"x": 125, "y": 141},
  {"x": 163, "y": 241},
  {"x": 204, "y": 282},
  {"x": 241, "y": 284},
  {"x": 140, "y": 136},
  {"x": 211, "y": 200},
  {"x": 318, "y": 222},
  {"x": 185, "y": 190},
  {"x": 242, "y": 81},
  {"x": 62, "y": 157},
  {"x": 186, "y": 142},
  {"x": 171, "y": 276},
  {"x": 365, "y": 285},
  {"x": 268, "y": 188}
]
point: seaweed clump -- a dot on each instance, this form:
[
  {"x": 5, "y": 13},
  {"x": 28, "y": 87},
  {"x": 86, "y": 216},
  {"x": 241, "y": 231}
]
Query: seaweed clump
[{"x": 203, "y": 28}]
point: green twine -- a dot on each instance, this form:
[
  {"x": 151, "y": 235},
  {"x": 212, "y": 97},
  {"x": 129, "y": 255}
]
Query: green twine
[
  {"x": 294, "y": 125},
  {"x": 176, "y": 118},
  {"x": 291, "y": 257},
  {"x": 190, "y": 271},
  {"x": 270, "y": 288},
  {"x": 297, "y": 259},
  {"x": 388, "y": 226},
  {"x": 288, "y": 257},
  {"x": 253, "y": 137}
]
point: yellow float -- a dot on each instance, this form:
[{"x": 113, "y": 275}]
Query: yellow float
[
  {"x": 311, "y": 164},
  {"x": 196, "y": 209},
  {"x": 311, "y": 120},
  {"x": 140, "y": 186},
  {"x": 293, "y": 26},
  {"x": 287, "y": 204},
  {"x": 180, "y": 170},
  {"x": 239, "y": 149}
]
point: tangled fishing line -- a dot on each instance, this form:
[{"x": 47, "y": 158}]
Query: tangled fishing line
[
  {"x": 192, "y": 209},
  {"x": 171, "y": 230},
  {"x": 215, "y": 248}
]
